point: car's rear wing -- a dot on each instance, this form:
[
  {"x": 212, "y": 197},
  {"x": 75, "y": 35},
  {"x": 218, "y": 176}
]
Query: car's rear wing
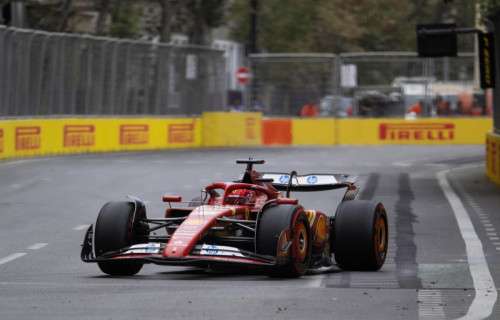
[{"x": 308, "y": 182}]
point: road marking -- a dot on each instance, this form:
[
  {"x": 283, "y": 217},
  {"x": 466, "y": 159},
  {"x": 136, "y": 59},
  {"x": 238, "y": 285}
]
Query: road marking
[
  {"x": 316, "y": 281},
  {"x": 430, "y": 305},
  {"x": 484, "y": 286},
  {"x": 18, "y": 162},
  {"x": 37, "y": 246},
  {"x": 401, "y": 164},
  {"x": 81, "y": 227},
  {"x": 11, "y": 257}
]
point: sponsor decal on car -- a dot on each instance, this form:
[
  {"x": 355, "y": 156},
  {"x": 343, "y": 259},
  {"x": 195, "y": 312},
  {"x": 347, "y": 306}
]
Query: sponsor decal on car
[
  {"x": 284, "y": 179},
  {"x": 312, "y": 179},
  {"x": 417, "y": 131},
  {"x": 28, "y": 138},
  {"x": 134, "y": 134},
  {"x": 79, "y": 135},
  {"x": 215, "y": 250},
  {"x": 144, "y": 248},
  {"x": 181, "y": 133}
]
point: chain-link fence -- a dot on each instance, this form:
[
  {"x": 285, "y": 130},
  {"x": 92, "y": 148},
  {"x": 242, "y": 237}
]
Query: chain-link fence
[
  {"x": 64, "y": 74},
  {"x": 365, "y": 84},
  {"x": 282, "y": 83}
]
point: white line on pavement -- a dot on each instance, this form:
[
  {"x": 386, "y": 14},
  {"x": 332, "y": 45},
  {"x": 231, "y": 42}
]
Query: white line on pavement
[
  {"x": 401, "y": 164},
  {"x": 37, "y": 246},
  {"x": 484, "y": 286},
  {"x": 81, "y": 227},
  {"x": 11, "y": 257}
]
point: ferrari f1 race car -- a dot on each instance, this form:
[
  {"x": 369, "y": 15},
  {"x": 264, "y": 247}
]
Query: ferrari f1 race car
[{"x": 250, "y": 222}]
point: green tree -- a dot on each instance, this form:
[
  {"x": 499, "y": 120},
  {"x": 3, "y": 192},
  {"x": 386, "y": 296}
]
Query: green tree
[
  {"x": 340, "y": 26},
  {"x": 124, "y": 20},
  {"x": 203, "y": 15}
]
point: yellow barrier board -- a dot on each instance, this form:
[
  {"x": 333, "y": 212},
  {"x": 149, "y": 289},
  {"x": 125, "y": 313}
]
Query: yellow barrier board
[
  {"x": 35, "y": 137},
  {"x": 439, "y": 131},
  {"x": 314, "y": 131},
  {"x": 232, "y": 129},
  {"x": 493, "y": 157}
]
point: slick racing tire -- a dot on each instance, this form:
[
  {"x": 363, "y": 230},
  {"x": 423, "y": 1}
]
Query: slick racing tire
[
  {"x": 283, "y": 232},
  {"x": 360, "y": 237},
  {"x": 114, "y": 230}
]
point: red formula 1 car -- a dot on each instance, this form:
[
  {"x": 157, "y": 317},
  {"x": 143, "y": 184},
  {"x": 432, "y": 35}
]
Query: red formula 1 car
[{"x": 248, "y": 222}]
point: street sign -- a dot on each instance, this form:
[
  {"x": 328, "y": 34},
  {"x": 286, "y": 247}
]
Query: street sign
[
  {"x": 437, "y": 40},
  {"x": 243, "y": 75},
  {"x": 486, "y": 59}
]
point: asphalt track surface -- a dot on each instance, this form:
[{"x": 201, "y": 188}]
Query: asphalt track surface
[{"x": 45, "y": 205}]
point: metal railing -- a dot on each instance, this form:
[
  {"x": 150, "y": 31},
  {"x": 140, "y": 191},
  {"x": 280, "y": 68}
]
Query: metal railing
[
  {"x": 66, "y": 74},
  {"x": 283, "y": 83}
]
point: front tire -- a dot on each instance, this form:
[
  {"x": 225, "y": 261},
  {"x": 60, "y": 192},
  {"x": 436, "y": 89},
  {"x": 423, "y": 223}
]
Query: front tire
[
  {"x": 116, "y": 229},
  {"x": 290, "y": 222},
  {"x": 360, "y": 235}
]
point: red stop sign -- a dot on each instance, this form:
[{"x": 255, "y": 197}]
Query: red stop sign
[{"x": 243, "y": 75}]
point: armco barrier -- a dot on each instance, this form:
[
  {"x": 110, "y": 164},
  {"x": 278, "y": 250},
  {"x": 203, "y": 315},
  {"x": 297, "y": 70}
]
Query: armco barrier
[
  {"x": 324, "y": 131},
  {"x": 36, "y": 137},
  {"x": 438, "y": 131},
  {"x": 232, "y": 129},
  {"x": 320, "y": 131},
  {"x": 277, "y": 131},
  {"x": 493, "y": 157}
]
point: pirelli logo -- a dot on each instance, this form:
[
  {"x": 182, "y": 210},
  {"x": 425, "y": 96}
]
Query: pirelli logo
[
  {"x": 417, "y": 131},
  {"x": 1, "y": 140},
  {"x": 492, "y": 149},
  {"x": 134, "y": 134},
  {"x": 250, "y": 128},
  {"x": 181, "y": 133},
  {"x": 79, "y": 136},
  {"x": 28, "y": 138}
]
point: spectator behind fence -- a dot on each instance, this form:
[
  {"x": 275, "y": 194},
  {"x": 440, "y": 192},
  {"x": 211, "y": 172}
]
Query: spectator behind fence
[
  {"x": 465, "y": 104},
  {"x": 310, "y": 109},
  {"x": 443, "y": 107},
  {"x": 416, "y": 109}
]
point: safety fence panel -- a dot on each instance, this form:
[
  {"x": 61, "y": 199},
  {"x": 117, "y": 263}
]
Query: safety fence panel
[
  {"x": 283, "y": 83},
  {"x": 368, "y": 84},
  {"x": 65, "y": 74}
]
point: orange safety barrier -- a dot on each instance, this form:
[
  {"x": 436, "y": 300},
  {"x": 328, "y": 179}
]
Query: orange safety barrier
[{"x": 277, "y": 131}]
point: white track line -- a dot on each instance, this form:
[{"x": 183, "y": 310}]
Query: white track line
[
  {"x": 484, "y": 286},
  {"x": 11, "y": 257},
  {"x": 81, "y": 227},
  {"x": 37, "y": 246}
]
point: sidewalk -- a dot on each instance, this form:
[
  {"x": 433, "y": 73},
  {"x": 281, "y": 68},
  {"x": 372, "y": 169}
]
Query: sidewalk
[{"x": 477, "y": 190}]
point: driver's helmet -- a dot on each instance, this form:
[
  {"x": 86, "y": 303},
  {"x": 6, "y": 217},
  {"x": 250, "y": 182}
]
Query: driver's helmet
[{"x": 241, "y": 196}]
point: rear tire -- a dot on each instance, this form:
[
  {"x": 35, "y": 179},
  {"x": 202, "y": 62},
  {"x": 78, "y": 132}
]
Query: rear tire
[
  {"x": 360, "y": 235},
  {"x": 271, "y": 224},
  {"x": 115, "y": 230}
]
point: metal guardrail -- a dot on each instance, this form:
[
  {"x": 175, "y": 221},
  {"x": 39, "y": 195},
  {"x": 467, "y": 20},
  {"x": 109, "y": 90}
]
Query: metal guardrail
[{"x": 66, "y": 74}]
